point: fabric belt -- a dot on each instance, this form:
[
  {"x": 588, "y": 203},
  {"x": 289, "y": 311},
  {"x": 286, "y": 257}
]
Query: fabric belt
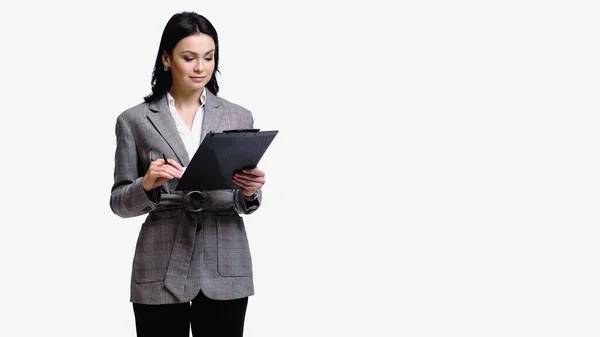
[{"x": 196, "y": 201}]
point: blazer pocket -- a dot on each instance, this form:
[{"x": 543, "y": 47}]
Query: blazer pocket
[
  {"x": 153, "y": 250},
  {"x": 233, "y": 251}
]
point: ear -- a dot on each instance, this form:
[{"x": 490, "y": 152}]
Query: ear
[{"x": 166, "y": 60}]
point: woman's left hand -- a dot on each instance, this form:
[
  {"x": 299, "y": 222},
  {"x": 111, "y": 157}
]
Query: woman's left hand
[{"x": 250, "y": 180}]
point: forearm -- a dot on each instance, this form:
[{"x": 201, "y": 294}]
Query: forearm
[
  {"x": 129, "y": 200},
  {"x": 128, "y": 197}
]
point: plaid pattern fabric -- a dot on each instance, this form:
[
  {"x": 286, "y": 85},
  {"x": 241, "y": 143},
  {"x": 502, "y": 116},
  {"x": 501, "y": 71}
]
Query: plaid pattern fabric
[{"x": 179, "y": 252}]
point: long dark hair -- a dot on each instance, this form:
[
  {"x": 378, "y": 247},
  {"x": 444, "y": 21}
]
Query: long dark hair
[{"x": 180, "y": 26}]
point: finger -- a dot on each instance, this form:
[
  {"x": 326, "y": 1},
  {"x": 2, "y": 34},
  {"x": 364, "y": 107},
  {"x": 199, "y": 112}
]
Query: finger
[
  {"x": 249, "y": 178},
  {"x": 248, "y": 191},
  {"x": 157, "y": 173},
  {"x": 248, "y": 184},
  {"x": 241, "y": 183},
  {"x": 255, "y": 172},
  {"x": 157, "y": 162},
  {"x": 175, "y": 164},
  {"x": 238, "y": 183},
  {"x": 162, "y": 174},
  {"x": 243, "y": 186},
  {"x": 171, "y": 170}
]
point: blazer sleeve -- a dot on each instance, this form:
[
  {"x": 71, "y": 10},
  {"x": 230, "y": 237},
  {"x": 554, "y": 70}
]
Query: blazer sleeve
[
  {"x": 128, "y": 197},
  {"x": 240, "y": 204},
  {"x": 243, "y": 206}
]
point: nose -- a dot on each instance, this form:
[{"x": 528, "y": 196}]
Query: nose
[{"x": 199, "y": 68}]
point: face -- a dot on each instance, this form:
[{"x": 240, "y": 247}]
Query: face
[{"x": 192, "y": 62}]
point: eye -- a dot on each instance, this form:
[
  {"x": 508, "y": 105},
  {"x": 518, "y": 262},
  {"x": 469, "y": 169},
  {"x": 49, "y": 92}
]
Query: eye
[
  {"x": 208, "y": 58},
  {"x": 188, "y": 59}
]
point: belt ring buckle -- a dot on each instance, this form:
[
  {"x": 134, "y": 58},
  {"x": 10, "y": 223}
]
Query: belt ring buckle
[{"x": 202, "y": 201}]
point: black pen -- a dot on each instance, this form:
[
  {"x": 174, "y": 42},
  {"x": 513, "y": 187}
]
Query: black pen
[{"x": 165, "y": 158}]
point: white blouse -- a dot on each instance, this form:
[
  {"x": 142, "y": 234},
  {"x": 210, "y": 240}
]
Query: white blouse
[{"x": 190, "y": 138}]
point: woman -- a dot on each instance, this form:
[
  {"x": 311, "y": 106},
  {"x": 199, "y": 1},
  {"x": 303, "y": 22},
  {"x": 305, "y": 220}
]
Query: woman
[{"x": 192, "y": 262}]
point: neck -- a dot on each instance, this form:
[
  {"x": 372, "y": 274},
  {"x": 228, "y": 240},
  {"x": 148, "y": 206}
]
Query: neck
[{"x": 186, "y": 97}]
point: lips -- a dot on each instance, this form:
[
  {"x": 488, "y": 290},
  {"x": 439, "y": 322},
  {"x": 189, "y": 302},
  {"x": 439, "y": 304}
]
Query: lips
[{"x": 197, "y": 78}]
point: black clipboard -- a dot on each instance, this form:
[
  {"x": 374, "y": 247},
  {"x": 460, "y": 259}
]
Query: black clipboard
[{"x": 220, "y": 155}]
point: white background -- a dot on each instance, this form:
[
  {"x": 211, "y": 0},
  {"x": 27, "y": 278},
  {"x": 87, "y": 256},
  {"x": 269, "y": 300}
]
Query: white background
[{"x": 435, "y": 174}]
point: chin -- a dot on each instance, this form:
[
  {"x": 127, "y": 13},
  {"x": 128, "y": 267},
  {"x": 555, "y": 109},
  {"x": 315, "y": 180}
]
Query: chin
[{"x": 197, "y": 86}]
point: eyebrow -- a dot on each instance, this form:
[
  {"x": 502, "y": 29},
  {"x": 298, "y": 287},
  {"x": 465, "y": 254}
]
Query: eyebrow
[{"x": 196, "y": 54}]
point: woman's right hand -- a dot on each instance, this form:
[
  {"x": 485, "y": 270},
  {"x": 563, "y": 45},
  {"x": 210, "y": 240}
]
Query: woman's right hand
[{"x": 160, "y": 172}]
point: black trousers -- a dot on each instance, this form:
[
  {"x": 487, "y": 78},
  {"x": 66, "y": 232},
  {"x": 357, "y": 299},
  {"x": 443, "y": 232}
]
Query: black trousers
[{"x": 208, "y": 317}]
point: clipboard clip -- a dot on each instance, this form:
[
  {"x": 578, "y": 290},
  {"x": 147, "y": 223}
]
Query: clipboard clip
[{"x": 241, "y": 130}]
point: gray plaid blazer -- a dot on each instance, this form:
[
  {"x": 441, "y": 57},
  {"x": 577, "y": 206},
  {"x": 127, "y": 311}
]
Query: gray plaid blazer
[{"x": 180, "y": 252}]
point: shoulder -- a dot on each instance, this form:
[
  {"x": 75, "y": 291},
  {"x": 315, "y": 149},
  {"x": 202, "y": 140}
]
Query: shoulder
[
  {"x": 237, "y": 112},
  {"x": 233, "y": 108},
  {"x": 134, "y": 113}
]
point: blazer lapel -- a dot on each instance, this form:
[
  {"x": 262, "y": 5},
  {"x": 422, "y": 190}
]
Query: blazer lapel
[
  {"x": 212, "y": 114},
  {"x": 161, "y": 118}
]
